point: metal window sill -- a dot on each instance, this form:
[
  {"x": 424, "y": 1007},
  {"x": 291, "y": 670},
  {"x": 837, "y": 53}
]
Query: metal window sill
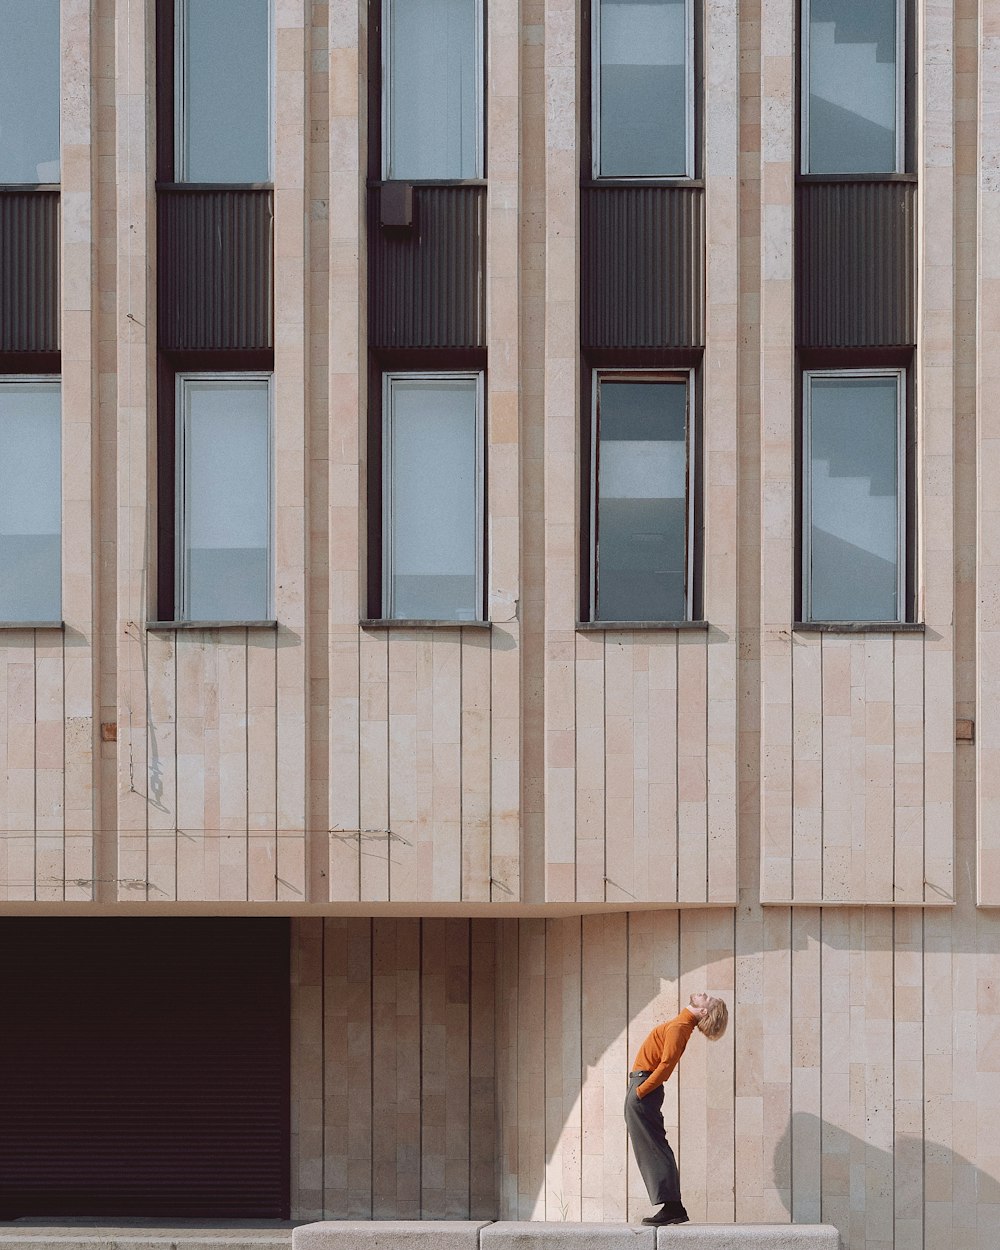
[
  {"x": 592, "y": 626},
  {"x": 429, "y": 182},
  {"x": 393, "y": 622},
  {"x": 215, "y": 186},
  {"x": 897, "y": 177},
  {"x": 32, "y": 625},
  {"x": 858, "y": 627},
  {"x": 644, "y": 180},
  {"x": 154, "y": 626}
]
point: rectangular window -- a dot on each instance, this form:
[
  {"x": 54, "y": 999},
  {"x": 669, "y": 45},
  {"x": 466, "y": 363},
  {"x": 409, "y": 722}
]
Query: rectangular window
[
  {"x": 29, "y": 91},
  {"x": 643, "y": 88},
  {"x": 224, "y": 497},
  {"x": 432, "y": 492},
  {"x": 432, "y": 89},
  {"x": 223, "y": 78},
  {"x": 854, "y": 495},
  {"x": 852, "y": 86},
  {"x": 30, "y": 500},
  {"x": 641, "y": 502}
]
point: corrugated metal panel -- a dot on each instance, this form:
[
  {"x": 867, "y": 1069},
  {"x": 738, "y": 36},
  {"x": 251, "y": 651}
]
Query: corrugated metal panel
[
  {"x": 642, "y": 267},
  {"x": 29, "y": 271},
  {"x": 215, "y": 269},
  {"x": 855, "y": 264},
  {"x": 144, "y": 1067},
  {"x": 426, "y": 285}
]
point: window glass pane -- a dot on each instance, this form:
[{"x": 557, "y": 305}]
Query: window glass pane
[
  {"x": 852, "y": 86},
  {"x": 30, "y": 502},
  {"x": 226, "y": 91},
  {"x": 434, "y": 87},
  {"x": 853, "y": 466},
  {"x": 435, "y": 534},
  {"x": 29, "y": 91},
  {"x": 227, "y": 520},
  {"x": 641, "y": 502},
  {"x": 643, "y": 88}
]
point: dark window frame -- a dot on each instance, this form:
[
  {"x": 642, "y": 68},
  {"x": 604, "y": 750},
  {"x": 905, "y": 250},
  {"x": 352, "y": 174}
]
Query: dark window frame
[
  {"x": 47, "y": 186},
  {"x": 909, "y": 99},
  {"x": 376, "y": 123},
  {"x": 644, "y": 366},
  {"x": 878, "y": 359},
  {"x": 170, "y": 366},
  {"x": 165, "y": 106},
  {"x": 588, "y": 104},
  {"x": 13, "y": 377},
  {"x": 416, "y": 360}
]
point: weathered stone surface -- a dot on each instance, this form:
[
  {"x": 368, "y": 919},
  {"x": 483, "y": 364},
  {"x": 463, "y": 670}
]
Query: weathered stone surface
[
  {"x": 388, "y": 1235},
  {"x": 538, "y": 1235}
]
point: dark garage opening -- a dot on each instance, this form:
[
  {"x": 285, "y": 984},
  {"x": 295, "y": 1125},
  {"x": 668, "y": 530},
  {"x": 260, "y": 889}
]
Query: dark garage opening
[{"x": 144, "y": 1067}]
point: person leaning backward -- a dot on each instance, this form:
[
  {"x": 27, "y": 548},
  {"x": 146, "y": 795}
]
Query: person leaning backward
[{"x": 657, "y": 1058}]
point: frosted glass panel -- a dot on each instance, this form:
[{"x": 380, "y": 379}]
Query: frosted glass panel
[
  {"x": 643, "y": 88},
  {"x": 434, "y": 531},
  {"x": 226, "y": 91},
  {"x": 29, "y": 91},
  {"x": 642, "y": 502},
  {"x": 852, "y": 86},
  {"x": 30, "y": 502},
  {"x": 853, "y": 466},
  {"x": 226, "y": 491},
  {"x": 434, "y": 85}
]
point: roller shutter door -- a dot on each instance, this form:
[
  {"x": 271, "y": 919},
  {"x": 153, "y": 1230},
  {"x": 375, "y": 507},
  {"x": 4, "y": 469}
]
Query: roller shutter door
[{"x": 144, "y": 1067}]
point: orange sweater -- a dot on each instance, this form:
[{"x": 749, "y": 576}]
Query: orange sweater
[{"x": 660, "y": 1051}]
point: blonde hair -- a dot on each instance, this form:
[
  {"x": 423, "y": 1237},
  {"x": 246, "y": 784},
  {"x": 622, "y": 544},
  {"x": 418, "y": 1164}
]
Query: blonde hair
[{"x": 713, "y": 1022}]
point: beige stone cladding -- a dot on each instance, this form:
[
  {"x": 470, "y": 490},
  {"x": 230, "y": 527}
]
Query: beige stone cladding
[
  {"x": 783, "y": 817},
  {"x": 857, "y": 751}
]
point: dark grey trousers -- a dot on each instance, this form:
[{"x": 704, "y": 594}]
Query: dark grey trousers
[{"x": 644, "y": 1120}]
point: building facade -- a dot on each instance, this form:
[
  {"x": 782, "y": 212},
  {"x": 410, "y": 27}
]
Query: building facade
[{"x": 497, "y": 534}]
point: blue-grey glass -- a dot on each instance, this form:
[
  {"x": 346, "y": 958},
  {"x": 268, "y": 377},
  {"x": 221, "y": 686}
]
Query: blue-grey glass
[
  {"x": 853, "y": 467},
  {"x": 226, "y": 91},
  {"x": 642, "y": 502},
  {"x": 29, "y": 91},
  {"x": 227, "y": 521},
  {"x": 435, "y": 533},
  {"x": 852, "y": 86},
  {"x": 434, "y": 89},
  {"x": 643, "y": 88},
  {"x": 30, "y": 502}
]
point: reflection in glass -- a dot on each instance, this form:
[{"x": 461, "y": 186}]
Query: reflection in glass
[
  {"x": 225, "y": 90},
  {"x": 434, "y": 84},
  {"x": 29, "y": 91},
  {"x": 642, "y": 88},
  {"x": 853, "y": 498},
  {"x": 852, "y": 76},
  {"x": 226, "y": 521},
  {"x": 434, "y": 531},
  {"x": 30, "y": 502},
  {"x": 641, "y": 523}
]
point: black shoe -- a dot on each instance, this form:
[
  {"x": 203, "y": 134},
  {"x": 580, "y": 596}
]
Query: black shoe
[{"x": 669, "y": 1213}]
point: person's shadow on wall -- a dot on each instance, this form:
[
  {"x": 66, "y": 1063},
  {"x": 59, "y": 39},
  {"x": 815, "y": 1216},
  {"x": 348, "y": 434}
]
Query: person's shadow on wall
[{"x": 911, "y": 1191}]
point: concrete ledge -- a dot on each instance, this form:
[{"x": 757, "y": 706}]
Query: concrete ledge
[
  {"x": 113, "y": 1237},
  {"x": 539, "y": 1235},
  {"x": 748, "y": 1237},
  {"x": 389, "y": 1235}
]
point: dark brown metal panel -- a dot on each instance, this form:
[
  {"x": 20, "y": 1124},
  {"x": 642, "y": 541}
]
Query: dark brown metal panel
[
  {"x": 427, "y": 284},
  {"x": 855, "y": 264},
  {"x": 144, "y": 1067},
  {"x": 215, "y": 269},
  {"x": 642, "y": 267},
  {"x": 29, "y": 271}
]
